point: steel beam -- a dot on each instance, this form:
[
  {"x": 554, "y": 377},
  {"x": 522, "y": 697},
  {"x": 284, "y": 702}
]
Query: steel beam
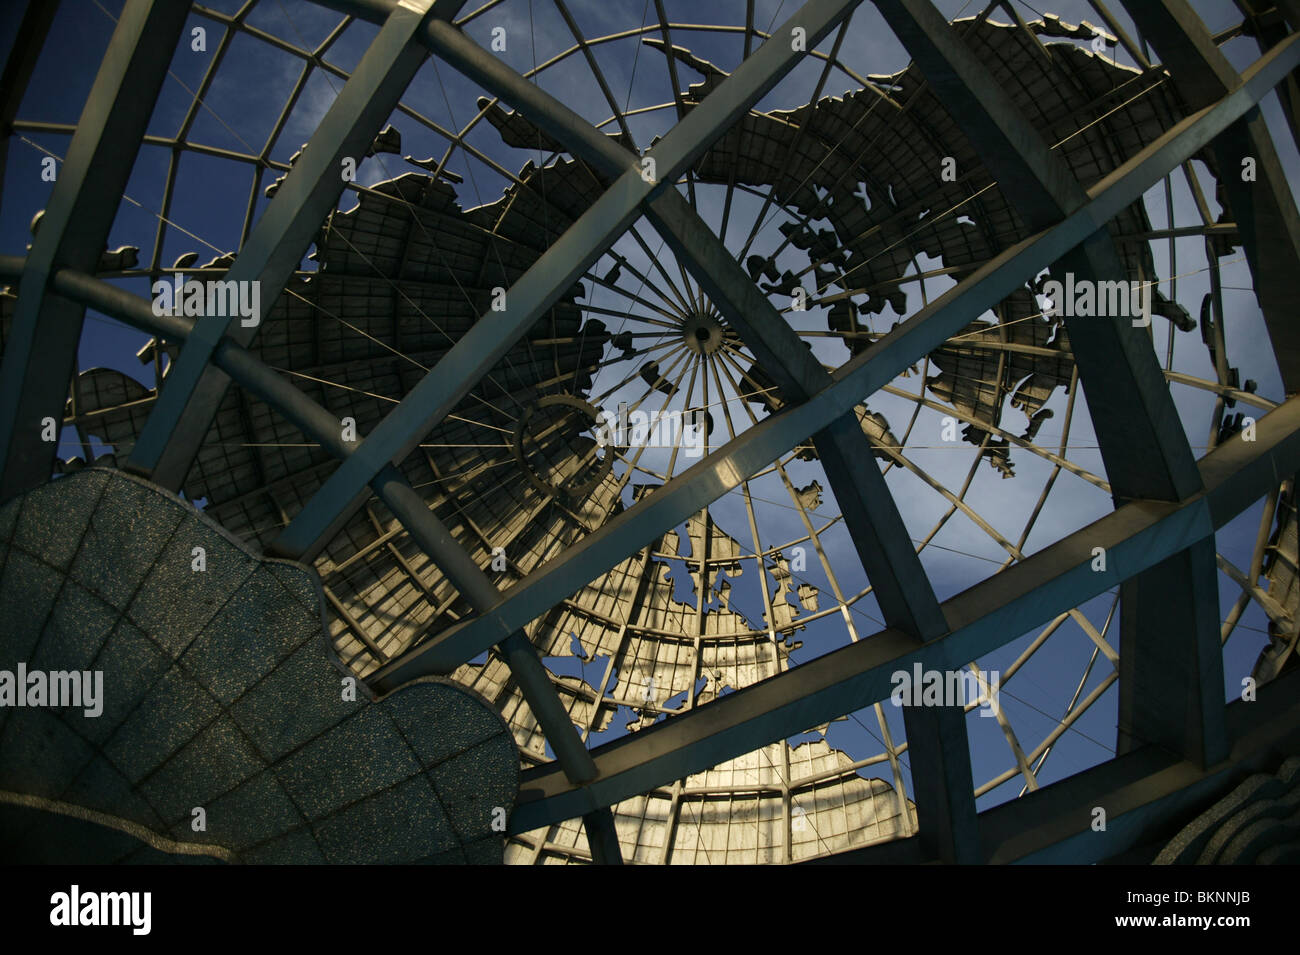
[
  {"x": 602, "y": 838},
  {"x": 879, "y": 534},
  {"x": 877, "y": 530},
  {"x": 1269, "y": 22},
  {"x": 436, "y": 540},
  {"x": 193, "y": 388},
  {"x": 943, "y": 786},
  {"x": 940, "y": 754},
  {"x": 1264, "y": 209},
  {"x": 1137, "y": 536},
  {"x": 1171, "y": 658},
  {"x": 492, "y": 336},
  {"x": 946, "y": 809},
  {"x": 405, "y": 504},
  {"x": 1142, "y": 441},
  {"x": 19, "y": 62},
  {"x": 1147, "y": 793},
  {"x": 1141, "y": 437},
  {"x": 42, "y": 347},
  {"x": 742, "y": 457}
]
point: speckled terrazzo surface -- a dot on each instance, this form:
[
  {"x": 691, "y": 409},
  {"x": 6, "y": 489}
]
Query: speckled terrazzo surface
[{"x": 220, "y": 693}]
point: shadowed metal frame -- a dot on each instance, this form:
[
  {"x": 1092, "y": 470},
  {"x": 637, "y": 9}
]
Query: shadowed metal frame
[{"x": 818, "y": 398}]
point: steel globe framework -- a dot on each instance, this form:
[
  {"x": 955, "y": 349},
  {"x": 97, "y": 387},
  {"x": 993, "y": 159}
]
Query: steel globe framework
[{"x": 840, "y": 276}]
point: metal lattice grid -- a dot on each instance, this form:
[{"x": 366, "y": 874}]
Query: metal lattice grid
[{"x": 389, "y": 322}]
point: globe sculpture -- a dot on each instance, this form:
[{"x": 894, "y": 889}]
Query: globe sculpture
[{"x": 848, "y": 431}]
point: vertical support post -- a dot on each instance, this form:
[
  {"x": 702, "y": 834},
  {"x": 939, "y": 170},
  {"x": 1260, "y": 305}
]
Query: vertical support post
[
  {"x": 1171, "y": 660},
  {"x": 1249, "y": 169},
  {"x": 1142, "y": 441},
  {"x": 42, "y": 346}
]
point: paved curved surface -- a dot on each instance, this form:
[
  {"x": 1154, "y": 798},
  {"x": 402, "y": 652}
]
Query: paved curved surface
[{"x": 219, "y": 693}]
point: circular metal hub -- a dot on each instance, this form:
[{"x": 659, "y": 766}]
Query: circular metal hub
[{"x": 703, "y": 334}]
